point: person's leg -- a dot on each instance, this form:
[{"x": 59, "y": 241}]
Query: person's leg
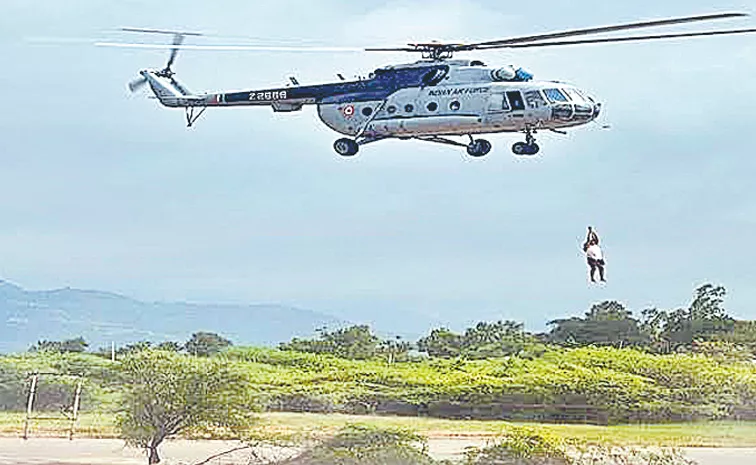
[
  {"x": 601, "y": 270},
  {"x": 592, "y": 264}
]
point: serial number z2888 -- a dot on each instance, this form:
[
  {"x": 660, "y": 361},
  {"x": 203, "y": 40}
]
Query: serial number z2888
[{"x": 268, "y": 95}]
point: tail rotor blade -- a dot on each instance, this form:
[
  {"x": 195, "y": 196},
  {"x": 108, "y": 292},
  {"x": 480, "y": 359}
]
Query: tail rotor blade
[{"x": 137, "y": 84}]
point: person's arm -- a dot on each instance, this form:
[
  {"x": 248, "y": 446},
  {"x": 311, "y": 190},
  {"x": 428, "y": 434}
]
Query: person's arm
[
  {"x": 592, "y": 235},
  {"x": 587, "y": 239}
]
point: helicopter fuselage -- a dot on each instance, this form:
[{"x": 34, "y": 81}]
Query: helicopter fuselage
[
  {"x": 430, "y": 98},
  {"x": 426, "y": 99},
  {"x": 459, "y": 109}
]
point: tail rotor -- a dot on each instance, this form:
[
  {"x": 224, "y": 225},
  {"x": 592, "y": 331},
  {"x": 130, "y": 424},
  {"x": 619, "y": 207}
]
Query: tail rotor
[
  {"x": 167, "y": 72},
  {"x": 137, "y": 84}
]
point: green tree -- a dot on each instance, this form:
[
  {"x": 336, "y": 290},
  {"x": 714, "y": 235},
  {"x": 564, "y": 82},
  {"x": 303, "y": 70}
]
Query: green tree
[
  {"x": 170, "y": 346},
  {"x": 441, "y": 342},
  {"x": 69, "y": 345},
  {"x": 395, "y": 350},
  {"x": 609, "y": 310},
  {"x": 498, "y": 339},
  {"x": 605, "y": 323},
  {"x": 355, "y": 342},
  {"x": 132, "y": 348},
  {"x": 167, "y": 393},
  {"x": 204, "y": 344},
  {"x": 484, "y": 340},
  {"x": 12, "y": 387},
  {"x": 705, "y": 318}
]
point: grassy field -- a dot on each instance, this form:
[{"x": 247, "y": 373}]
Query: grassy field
[{"x": 704, "y": 434}]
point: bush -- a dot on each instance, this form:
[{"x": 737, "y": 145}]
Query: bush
[
  {"x": 530, "y": 446},
  {"x": 597, "y": 385},
  {"x": 363, "y": 445},
  {"x": 521, "y": 446}
]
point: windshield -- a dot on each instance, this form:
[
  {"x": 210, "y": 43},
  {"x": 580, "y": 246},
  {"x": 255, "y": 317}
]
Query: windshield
[
  {"x": 574, "y": 95},
  {"x": 554, "y": 95}
]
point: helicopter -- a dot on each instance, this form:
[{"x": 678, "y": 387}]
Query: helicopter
[{"x": 432, "y": 100}]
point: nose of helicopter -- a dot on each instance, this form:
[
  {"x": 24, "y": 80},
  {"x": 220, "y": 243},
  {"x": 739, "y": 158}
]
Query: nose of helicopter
[
  {"x": 596, "y": 109},
  {"x": 594, "y": 102}
]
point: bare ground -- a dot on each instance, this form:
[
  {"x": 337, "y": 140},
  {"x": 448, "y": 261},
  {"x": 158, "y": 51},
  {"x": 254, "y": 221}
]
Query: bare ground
[{"x": 54, "y": 451}]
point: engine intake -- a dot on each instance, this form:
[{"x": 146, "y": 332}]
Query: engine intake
[{"x": 509, "y": 73}]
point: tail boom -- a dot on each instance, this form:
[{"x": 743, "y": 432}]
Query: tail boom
[{"x": 172, "y": 93}]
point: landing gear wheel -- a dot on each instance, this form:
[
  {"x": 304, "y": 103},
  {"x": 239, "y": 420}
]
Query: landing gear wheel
[
  {"x": 478, "y": 148},
  {"x": 346, "y": 147},
  {"x": 521, "y": 148}
]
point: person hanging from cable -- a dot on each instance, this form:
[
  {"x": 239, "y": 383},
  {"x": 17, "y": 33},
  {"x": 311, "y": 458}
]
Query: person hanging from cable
[
  {"x": 591, "y": 237},
  {"x": 594, "y": 255}
]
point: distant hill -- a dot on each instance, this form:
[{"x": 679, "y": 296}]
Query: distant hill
[{"x": 101, "y": 317}]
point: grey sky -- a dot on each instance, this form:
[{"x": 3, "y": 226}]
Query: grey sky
[{"x": 103, "y": 189}]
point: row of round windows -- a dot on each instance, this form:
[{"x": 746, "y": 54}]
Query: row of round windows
[{"x": 409, "y": 108}]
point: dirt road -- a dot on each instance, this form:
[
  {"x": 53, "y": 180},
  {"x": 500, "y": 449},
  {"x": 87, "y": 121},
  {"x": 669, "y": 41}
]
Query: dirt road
[{"x": 47, "y": 451}]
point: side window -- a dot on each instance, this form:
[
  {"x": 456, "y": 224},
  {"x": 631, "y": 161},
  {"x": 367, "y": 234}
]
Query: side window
[
  {"x": 534, "y": 99},
  {"x": 555, "y": 95}
]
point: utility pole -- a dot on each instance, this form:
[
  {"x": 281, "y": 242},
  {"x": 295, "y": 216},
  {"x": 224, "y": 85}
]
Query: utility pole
[
  {"x": 29, "y": 404},
  {"x": 77, "y": 396},
  {"x": 112, "y": 351}
]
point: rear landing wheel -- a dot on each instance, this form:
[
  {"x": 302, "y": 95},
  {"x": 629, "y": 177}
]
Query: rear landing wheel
[
  {"x": 521, "y": 148},
  {"x": 478, "y": 148},
  {"x": 346, "y": 147}
]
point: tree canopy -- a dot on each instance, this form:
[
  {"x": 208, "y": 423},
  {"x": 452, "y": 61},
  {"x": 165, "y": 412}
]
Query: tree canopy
[
  {"x": 69, "y": 345},
  {"x": 605, "y": 323},
  {"x": 167, "y": 393},
  {"x": 205, "y": 343},
  {"x": 355, "y": 342}
]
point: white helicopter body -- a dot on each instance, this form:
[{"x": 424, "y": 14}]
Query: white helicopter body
[{"x": 430, "y": 100}]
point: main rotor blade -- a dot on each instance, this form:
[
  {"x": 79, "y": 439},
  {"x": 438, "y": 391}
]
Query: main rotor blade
[
  {"x": 230, "y": 47},
  {"x": 623, "y": 39},
  {"x": 604, "y": 29},
  {"x": 159, "y": 31},
  {"x": 177, "y": 40},
  {"x": 391, "y": 49}
]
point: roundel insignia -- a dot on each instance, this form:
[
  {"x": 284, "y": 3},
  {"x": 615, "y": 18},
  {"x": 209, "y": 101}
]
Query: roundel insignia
[{"x": 348, "y": 110}]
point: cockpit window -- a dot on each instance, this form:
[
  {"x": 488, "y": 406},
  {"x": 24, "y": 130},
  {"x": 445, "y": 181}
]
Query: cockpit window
[
  {"x": 574, "y": 95},
  {"x": 555, "y": 95},
  {"x": 585, "y": 96}
]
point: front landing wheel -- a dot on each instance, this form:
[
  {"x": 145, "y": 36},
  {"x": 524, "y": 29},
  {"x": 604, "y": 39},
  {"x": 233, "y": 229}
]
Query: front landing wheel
[{"x": 346, "y": 147}]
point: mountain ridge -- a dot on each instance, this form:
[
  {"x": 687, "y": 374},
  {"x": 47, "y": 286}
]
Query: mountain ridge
[{"x": 102, "y": 318}]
